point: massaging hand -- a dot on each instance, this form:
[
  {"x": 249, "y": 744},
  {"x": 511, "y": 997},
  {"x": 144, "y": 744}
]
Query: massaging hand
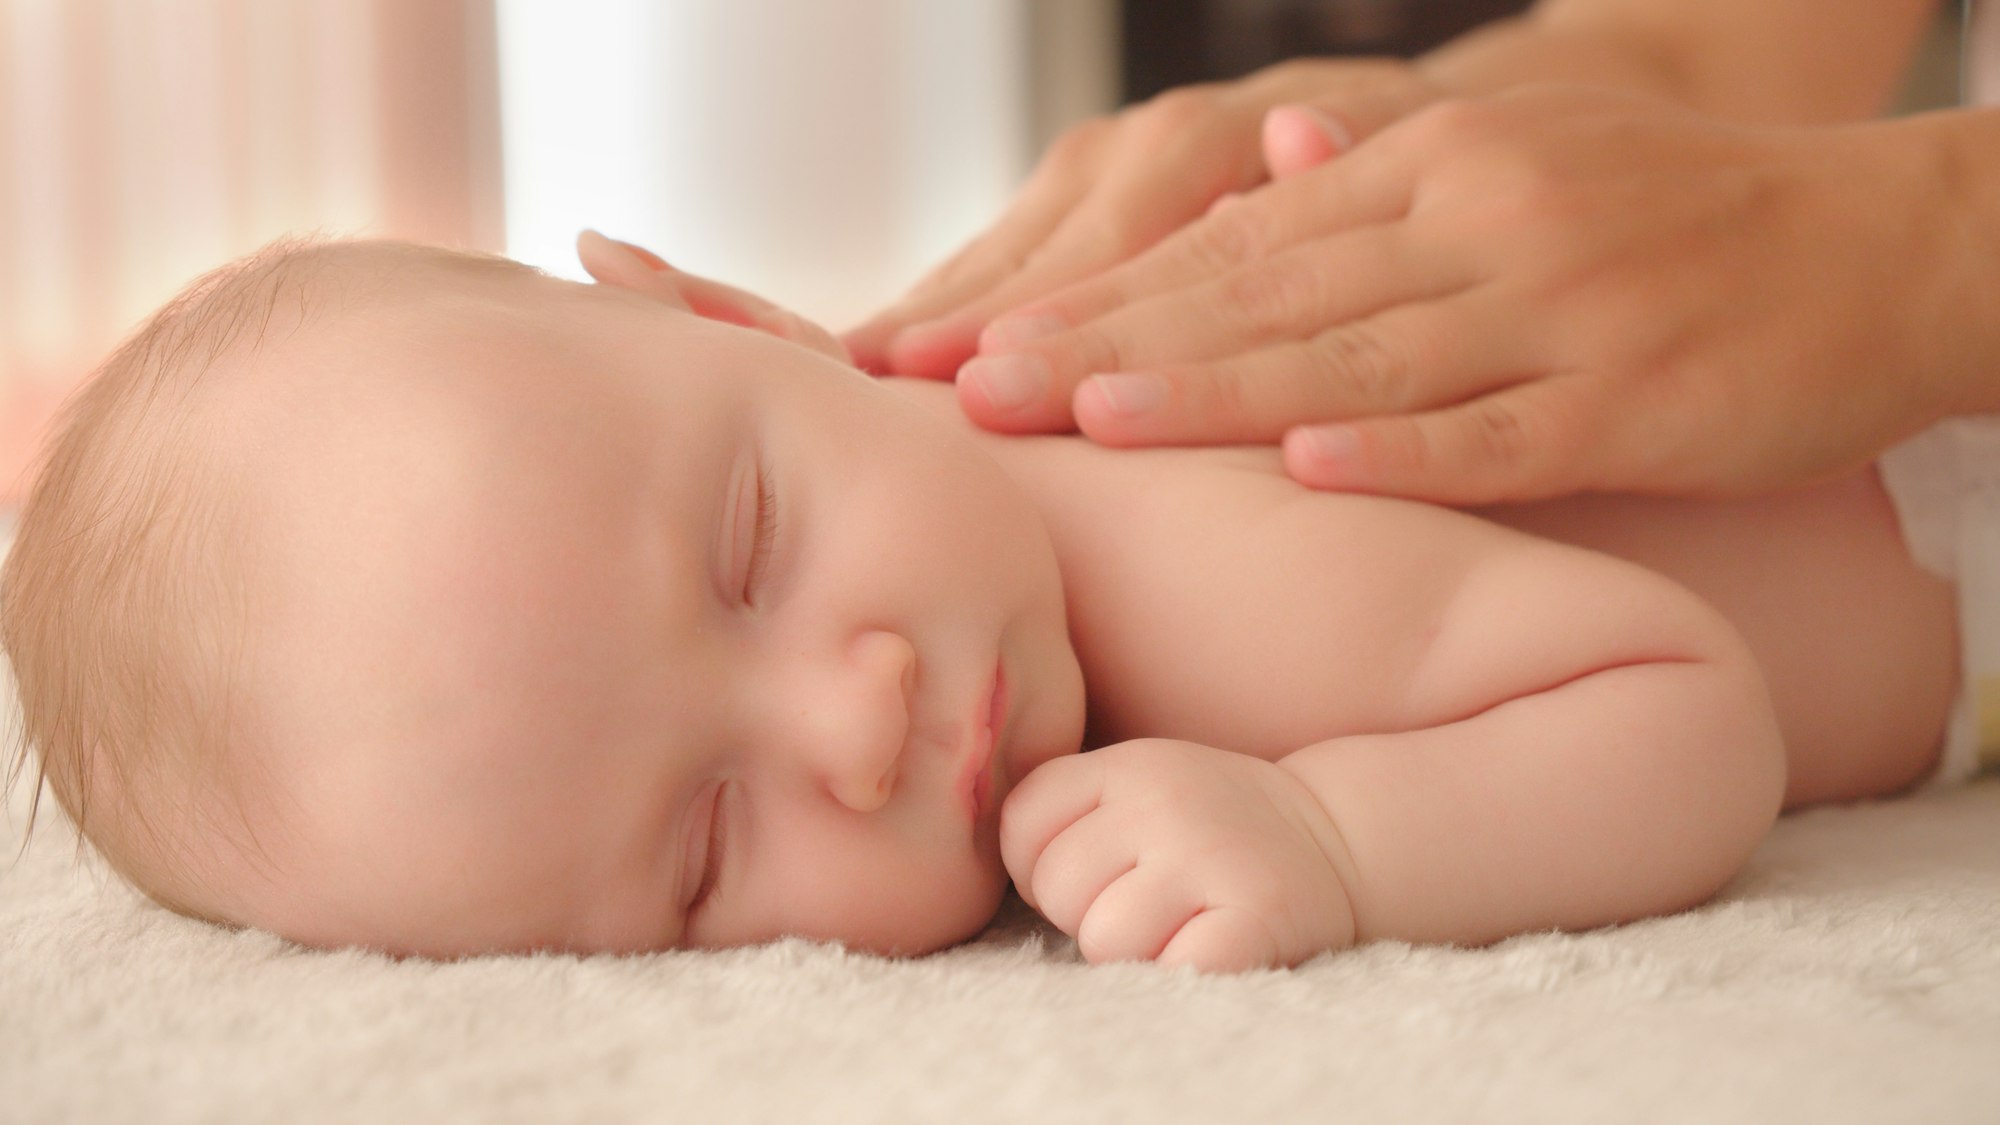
[
  {"x": 613, "y": 262},
  {"x": 1553, "y": 290},
  {"x": 1178, "y": 853},
  {"x": 1112, "y": 186}
]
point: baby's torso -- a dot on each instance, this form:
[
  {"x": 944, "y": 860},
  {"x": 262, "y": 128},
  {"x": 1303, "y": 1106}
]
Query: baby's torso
[{"x": 1214, "y": 599}]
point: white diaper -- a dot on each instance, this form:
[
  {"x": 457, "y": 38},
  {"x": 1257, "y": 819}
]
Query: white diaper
[{"x": 1945, "y": 484}]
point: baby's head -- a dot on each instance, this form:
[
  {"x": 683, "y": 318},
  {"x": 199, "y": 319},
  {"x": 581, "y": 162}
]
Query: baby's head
[{"x": 382, "y": 595}]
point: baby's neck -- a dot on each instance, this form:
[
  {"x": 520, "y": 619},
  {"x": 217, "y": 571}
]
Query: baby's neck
[
  {"x": 1113, "y": 516},
  {"x": 1054, "y": 470}
]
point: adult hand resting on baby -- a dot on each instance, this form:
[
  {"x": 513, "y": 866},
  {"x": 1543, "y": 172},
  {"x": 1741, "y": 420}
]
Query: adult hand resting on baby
[
  {"x": 618, "y": 263},
  {"x": 1550, "y": 290},
  {"x": 1113, "y": 186}
]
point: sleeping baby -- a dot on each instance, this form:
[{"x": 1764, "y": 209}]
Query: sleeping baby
[{"x": 388, "y": 596}]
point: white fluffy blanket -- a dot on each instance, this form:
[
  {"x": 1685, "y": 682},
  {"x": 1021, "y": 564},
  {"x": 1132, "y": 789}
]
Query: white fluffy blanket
[{"x": 1850, "y": 974}]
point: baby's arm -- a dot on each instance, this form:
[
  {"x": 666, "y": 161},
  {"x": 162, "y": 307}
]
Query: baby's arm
[
  {"x": 1617, "y": 757},
  {"x": 1601, "y": 748}
]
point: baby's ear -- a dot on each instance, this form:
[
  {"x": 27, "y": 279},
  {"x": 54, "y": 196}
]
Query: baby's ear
[{"x": 627, "y": 266}]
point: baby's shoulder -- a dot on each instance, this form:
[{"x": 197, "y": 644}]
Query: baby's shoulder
[{"x": 1162, "y": 504}]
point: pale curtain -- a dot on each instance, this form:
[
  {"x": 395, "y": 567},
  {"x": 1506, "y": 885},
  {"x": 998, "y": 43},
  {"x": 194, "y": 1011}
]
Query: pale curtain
[{"x": 144, "y": 141}]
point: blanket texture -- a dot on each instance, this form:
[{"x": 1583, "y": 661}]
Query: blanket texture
[{"x": 1850, "y": 974}]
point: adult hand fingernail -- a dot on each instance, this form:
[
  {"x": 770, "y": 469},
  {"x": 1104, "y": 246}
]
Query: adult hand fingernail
[
  {"x": 1129, "y": 395},
  {"x": 1337, "y": 133},
  {"x": 647, "y": 256},
  {"x": 1325, "y": 443},
  {"x": 1012, "y": 331},
  {"x": 921, "y": 336},
  {"x": 1008, "y": 382}
]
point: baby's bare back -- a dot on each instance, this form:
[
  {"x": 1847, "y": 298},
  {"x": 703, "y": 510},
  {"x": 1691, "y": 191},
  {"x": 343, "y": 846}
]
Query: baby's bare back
[
  {"x": 1215, "y": 600},
  {"x": 1858, "y": 644}
]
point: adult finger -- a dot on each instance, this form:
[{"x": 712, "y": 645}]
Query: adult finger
[
  {"x": 1350, "y": 193},
  {"x": 1133, "y": 209},
  {"x": 1305, "y": 134},
  {"x": 626, "y": 265},
  {"x": 719, "y": 301},
  {"x": 1407, "y": 358},
  {"x": 998, "y": 252},
  {"x": 1536, "y": 439},
  {"x": 1289, "y": 296}
]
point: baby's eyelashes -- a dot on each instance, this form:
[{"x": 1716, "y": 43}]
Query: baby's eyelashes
[{"x": 764, "y": 532}]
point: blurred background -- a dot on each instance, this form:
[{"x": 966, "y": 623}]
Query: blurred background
[{"x": 820, "y": 151}]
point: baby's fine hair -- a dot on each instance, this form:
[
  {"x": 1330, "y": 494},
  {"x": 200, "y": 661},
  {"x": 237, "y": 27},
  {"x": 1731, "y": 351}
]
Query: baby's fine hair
[{"x": 121, "y": 603}]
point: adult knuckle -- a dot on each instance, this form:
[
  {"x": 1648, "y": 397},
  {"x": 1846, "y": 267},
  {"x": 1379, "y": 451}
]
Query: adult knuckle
[
  {"x": 1531, "y": 194},
  {"x": 1230, "y": 236},
  {"x": 1452, "y": 121},
  {"x": 1090, "y": 349},
  {"x": 1272, "y": 295},
  {"x": 1230, "y": 393},
  {"x": 1077, "y": 144},
  {"x": 1354, "y": 361},
  {"x": 1098, "y": 242},
  {"x": 1500, "y": 436},
  {"x": 1172, "y": 114}
]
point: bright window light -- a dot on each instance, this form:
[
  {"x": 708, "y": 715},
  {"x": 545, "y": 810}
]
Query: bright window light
[{"x": 820, "y": 153}]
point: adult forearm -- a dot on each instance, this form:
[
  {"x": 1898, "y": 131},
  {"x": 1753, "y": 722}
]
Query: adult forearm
[
  {"x": 1961, "y": 148},
  {"x": 1524, "y": 49},
  {"x": 1777, "y": 61}
]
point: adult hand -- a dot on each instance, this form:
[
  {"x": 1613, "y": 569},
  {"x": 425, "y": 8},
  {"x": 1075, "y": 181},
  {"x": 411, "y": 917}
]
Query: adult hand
[
  {"x": 1112, "y": 186},
  {"x": 1551, "y": 290},
  {"x": 623, "y": 265}
]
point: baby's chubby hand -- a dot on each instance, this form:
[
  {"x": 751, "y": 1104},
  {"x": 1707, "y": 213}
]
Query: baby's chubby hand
[{"x": 1179, "y": 853}]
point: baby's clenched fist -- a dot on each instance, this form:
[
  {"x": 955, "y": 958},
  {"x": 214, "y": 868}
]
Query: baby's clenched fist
[{"x": 1179, "y": 853}]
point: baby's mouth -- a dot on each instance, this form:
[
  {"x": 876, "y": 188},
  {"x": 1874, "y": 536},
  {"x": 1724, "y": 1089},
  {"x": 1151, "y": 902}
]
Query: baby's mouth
[{"x": 978, "y": 782}]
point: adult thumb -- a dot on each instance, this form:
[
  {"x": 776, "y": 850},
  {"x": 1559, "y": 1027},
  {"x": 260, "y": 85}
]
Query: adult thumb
[{"x": 1302, "y": 135}]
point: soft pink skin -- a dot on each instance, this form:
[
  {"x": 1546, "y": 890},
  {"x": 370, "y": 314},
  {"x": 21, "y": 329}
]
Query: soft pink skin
[{"x": 507, "y": 657}]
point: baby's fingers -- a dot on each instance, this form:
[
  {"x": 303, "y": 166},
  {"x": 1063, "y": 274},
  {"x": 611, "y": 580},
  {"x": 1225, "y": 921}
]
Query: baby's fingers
[
  {"x": 1047, "y": 802},
  {"x": 1223, "y": 939},
  {"x": 1134, "y": 917},
  {"x": 1073, "y": 871}
]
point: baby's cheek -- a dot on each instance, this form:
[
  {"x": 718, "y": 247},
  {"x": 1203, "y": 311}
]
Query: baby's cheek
[{"x": 883, "y": 896}]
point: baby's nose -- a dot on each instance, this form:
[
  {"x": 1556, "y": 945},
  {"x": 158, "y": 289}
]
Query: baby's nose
[{"x": 864, "y": 750}]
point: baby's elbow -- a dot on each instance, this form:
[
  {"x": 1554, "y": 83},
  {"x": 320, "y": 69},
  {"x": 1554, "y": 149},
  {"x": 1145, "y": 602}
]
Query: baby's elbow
[{"x": 1737, "y": 750}]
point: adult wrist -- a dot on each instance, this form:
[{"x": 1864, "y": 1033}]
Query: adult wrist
[
  {"x": 1959, "y": 151},
  {"x": 1525, "y": 49}
]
